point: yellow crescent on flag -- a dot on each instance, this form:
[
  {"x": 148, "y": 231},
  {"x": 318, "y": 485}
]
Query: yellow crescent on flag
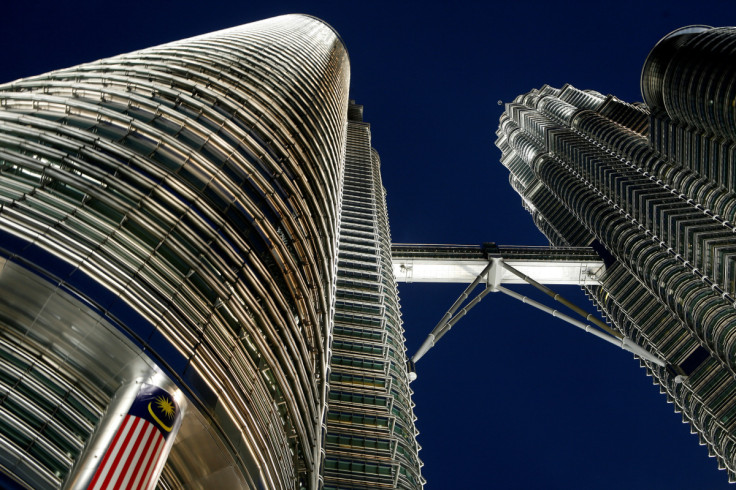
[{"x": 165, "y": 427}]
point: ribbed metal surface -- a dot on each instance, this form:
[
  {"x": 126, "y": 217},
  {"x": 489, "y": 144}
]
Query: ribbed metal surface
[
  {"x": 598, "y": 180},
  {"x": 690, "y": 75},
  {"x": 189, "y": 193},
  {"x": 45, "y": 416},
  {"x": 689, "y": 81},
  {"x": 370, "y": 441}
]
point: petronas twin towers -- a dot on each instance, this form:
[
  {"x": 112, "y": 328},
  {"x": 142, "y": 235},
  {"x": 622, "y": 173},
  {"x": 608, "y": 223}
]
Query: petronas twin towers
[{"x": 205, "y": 220}]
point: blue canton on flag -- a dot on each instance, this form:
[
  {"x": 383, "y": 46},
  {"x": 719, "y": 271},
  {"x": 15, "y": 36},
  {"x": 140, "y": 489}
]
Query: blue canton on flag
[
  {"x": 132, "y": 458},
  {"x": 156, "y": 406}
]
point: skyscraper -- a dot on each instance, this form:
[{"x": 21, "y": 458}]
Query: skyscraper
[
  {"x": 172, "y": 217},
  {"x": 651, "y": 187},
  {"x": 370, "y": 428}
]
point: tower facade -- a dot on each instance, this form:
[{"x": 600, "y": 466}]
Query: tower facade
[
  {"x": 172, "y": 216},
  {"x": 370, "y": 426},
  {"x": 650, "y": 186}
]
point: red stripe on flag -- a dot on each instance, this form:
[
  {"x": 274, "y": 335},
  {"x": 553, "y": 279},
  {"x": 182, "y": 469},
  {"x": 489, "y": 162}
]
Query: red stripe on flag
[
  {"x": 131, "y": 457},
  {"x": 108, "y": 454},
  {"x": 141, "y": 444},
  {"x": 120, "y": 451},
  {"x": 147, "y": 451},
  {"x": 126, "y": 455},
  {"x": 154, "y": 461}
]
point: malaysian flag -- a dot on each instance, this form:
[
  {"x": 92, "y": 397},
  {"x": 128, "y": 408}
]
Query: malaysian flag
[{"x": 138, "y": 445}]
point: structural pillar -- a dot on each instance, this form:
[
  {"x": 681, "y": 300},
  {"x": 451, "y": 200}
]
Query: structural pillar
[{"x": 132, "y": 440}]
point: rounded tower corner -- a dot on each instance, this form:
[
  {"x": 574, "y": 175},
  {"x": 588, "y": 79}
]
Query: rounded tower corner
[
  {"x": 655, "y": 66},
  {"x": 329, "y": 26}
]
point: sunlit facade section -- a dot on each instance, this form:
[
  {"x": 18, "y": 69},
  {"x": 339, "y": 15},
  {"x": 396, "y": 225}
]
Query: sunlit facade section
[
  {"x": 182, "y": 202},
  {"x": 650, "y": 187},
  {"x": 371, "y": 439}
]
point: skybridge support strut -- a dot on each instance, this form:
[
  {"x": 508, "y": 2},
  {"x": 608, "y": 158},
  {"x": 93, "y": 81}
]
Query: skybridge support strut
[
  {"x": 494, "y": 276},
  {"x": 557, "y": 297},
  {"x": 620, "y": 341},
  {"x": 444, "y": 324}
]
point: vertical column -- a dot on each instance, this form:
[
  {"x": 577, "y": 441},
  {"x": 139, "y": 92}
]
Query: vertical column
[{"x": 132, "y": 441}]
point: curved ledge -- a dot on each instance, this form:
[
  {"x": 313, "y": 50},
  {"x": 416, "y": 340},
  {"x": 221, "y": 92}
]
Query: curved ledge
[{"x": 655, "y": 66}]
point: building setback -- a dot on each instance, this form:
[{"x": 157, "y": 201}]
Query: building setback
[
  {"x": 172, "y": 216},
  {"x": 651, "y": 187}
]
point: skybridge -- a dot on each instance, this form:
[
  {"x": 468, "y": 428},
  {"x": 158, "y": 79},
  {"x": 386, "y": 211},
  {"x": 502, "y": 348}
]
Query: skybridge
[
  {"x": 495, "y": 266},
  {"x": 462, "y": 263}
]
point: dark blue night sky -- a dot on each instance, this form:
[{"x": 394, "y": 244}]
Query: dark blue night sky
[{"x": 511, "y": 398}]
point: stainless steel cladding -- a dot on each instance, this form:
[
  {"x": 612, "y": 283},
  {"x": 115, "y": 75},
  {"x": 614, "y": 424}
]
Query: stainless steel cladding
[
  {"x": 371, "y": 439},
  {"x": 597, "y": 171},
  {"x": 178, "y": 205}
]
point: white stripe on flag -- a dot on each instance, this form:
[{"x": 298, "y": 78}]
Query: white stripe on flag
[
  {"x": 111, "y": 455},
  {"x": 133, "y": 464},
  {"x": 153, "y": 464},
  {"x": 149, "y": 450},
  {"x": 125, "y": 453}
]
